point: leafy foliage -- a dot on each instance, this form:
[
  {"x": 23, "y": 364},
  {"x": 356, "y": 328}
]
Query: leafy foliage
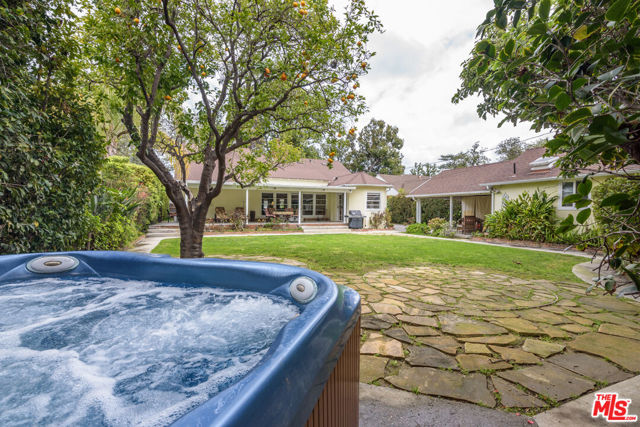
[
  {"x": 425, "y": 169},
  {"x": 472, "y": 157},
  {"x": 49, "y": 151},
  {"x": 267, "y": 77},
  {"x": 376, "y": 149},
  {"x": 402, "y": 209},
  {"x": 528, "y": 217},
  {"x": 573, "y": 67},
  {"x": 380, "y": 219},
  {"x": 510, "y": 148}
]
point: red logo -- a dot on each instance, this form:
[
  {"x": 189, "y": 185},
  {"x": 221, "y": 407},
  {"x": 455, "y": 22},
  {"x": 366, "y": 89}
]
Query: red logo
[{"x": 612, "y": 409}]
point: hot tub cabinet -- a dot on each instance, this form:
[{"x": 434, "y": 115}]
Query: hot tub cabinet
[{"x": 309, "y": 374}]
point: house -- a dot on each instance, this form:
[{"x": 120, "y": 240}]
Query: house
[
  {"x": 483, "y": 189},
  {"x": 324, "y": 194}
]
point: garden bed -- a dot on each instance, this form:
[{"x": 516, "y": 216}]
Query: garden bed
[
  {"x": 527, "y": 243},
  {"x": 253, "y": 228}
]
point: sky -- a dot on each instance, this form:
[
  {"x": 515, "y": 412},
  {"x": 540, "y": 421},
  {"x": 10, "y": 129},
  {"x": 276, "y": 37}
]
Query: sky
[{"x": 415, "y": 73}]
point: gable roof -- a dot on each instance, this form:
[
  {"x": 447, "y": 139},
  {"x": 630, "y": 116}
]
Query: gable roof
[
  {"x": 408, "y": 183},
  {"x": 307, "y": 169},
  {"x": 358, "y": 178},
  {"x": 475, "y": 179}
]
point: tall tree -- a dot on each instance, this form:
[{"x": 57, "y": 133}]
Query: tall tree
[
  {"x": 425, "y": 169},
  {"x": 50, "y": 154},
  {"x": 573, "y": 67},
  {"x": 472, "y": 157},
  {"x": 376, "y": 149},
  {"x": 510, "y": 148},
  {"x": 263, "y": 75}
]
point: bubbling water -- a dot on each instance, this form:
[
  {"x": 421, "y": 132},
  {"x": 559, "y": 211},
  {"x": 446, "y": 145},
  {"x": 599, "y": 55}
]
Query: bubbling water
[{"x": 104, "y": 351}]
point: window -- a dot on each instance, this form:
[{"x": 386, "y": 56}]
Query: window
[
  {"x": 321, "y": 204},
  {"x": 294, "y": 201},
  {"x": 373, "y": 200},
  {"x": 267, "y": 202},
  {"x": 568, "y": 188},
  {"x": 281, "y": 201},
  {"x": 307, "y": 204},
  {"x": 505, "y": 199}
]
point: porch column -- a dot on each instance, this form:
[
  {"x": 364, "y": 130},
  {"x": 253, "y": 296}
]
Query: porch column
[
  {"x": 493, "y": 201},
  {"x": 344, "y": 208},
  {"x": 246, "y": 206},
  {"x": 418, "y": 211},
  {"x": 299, "y": 207},
  {"x": 451, "y": 211}
]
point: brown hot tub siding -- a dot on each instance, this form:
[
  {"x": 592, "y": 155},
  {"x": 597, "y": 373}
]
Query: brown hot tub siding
[{"x": 338, "y": 404}]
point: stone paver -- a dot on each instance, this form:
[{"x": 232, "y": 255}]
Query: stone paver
[
  {"x": 512, "y": 397},
  {"x": 381, "y": 307},
  {"x": 621, "y": 331},
  {"x": 372, "y": 368},
  {"x": 542, "y": 348},
  {"x": 379, "y": 344},
  {"x": 499, "y": 339},
  {"x": 515, "y": 355},
  {"x": 622, "y": 351},
  {"x": 476, "y": 362},
  {"x": 549, "y": 380},
  {"x": 429, "y": 356},
  {"x": 519, "y": 326},
  {"x": 418, "y": 320},
  {"x": 476, "y": 348},
  {"x": 420, "y": 331},
  {"x": 590, "y": 366},
  {"x": 443, "y": 343},
  {"x": 398, "y": 334},
  {"x": 463, "y": 326},
  {"x": 435, "y": 382}
]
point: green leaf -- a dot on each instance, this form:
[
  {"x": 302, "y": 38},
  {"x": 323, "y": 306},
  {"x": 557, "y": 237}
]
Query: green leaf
[
  {"x": 577, "y": 115},
  {"x": 508, "y": 48},
  {"x": 543, "y": 9},
  {"x": 583, "y": 215},
  {"x": 554, "y": 91},
  {"x": 585, "y": 187},
  {"x": 610, "y": 74},
  {"x": 581, "y": 33},
  {"x": 616, "y": 10},
  {"x": 563, "y": 101},
  {"x": 614, "y": 199},
  {"x": 501, "y": 21},
  {"x": 572, "y": 198},
  {"x": 582, "y": 203},
  {"x": 537, "y": 29}
]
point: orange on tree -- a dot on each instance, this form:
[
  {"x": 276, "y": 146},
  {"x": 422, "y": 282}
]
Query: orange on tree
[
  {"x": 356, "y": 86},
  {"x": 167, "y": 97},
  {"x": 136, "y": 21},
  {"x": 354, "y": 76},
  {"x": 283, "y": 77},
  {"x": 363, "y": 65},
  {"x": 343, "y": 99},
  {"x": 203, "y": 74},
  {"x": 351, "y": 96},
  {"x": 202, "y": 67},
  {"x": 333, "y": 80},
  {"x": 267, "y": 71},
  {"x": 359, "y": 44},
  {"x": 332, "y": 154},
  {"x": 330, "y": 160},
  {"x": 117, "y": 59},
  {"x": 352, "y": 131},
  {"x": 117, "y": 11},
  {"x": 306, "y": 103},
  {"x": 295, "y": 4}
]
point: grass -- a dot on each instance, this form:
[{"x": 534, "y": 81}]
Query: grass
[{"x": 362, "y": 253}]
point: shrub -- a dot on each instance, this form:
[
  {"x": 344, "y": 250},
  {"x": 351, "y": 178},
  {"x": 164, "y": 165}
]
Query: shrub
[
  {"x": 528, "y": 217},
  {"x": 438, "y": 227},
  {"x": 378, "y": 220},
  {"x": 417, "y": 228},
  {"x": 401, "y": 209}
]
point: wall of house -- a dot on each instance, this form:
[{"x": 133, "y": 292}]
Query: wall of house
[
  {"x": 357, "y": 200},
  {"x": 552, "y": 188}
]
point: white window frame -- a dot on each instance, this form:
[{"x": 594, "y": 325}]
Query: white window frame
[
  {"x": 366, "y": 202},
  {"x": 572, "y": 207}
]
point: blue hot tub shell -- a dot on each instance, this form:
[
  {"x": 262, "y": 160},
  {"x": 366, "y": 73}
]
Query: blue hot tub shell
[{"x": 284, "y": 387}]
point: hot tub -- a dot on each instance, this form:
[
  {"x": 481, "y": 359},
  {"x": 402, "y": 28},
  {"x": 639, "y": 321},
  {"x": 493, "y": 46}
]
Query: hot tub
[{"x": 305, "y": 370}]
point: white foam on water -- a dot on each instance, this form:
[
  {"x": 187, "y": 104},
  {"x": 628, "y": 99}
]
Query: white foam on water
[{"x": 105, "y": 351}]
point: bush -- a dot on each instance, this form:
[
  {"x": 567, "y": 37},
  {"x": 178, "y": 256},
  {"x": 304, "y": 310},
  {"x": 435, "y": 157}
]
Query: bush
[
  {"x": 528, "y": 217},
  {"x": 439, "y": 227},
  {"x": 439, "y": 208},
  {"x": 380, "y": 219},
  {"x": 402, "y": 209},
  {"x": 417, "y": 228}
]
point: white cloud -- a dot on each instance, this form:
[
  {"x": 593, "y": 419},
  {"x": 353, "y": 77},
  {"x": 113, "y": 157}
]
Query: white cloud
[{"x": 415, "y": 73}]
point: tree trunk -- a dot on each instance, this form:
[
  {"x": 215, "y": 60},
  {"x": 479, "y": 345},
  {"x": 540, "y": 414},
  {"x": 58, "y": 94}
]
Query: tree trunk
[{"x": 191, "y": 233}]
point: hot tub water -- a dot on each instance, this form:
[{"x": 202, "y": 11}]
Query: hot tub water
[{"x": 104, "y": 351}]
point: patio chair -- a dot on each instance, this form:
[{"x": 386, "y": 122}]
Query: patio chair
[
  {"x": 469, "y": 224},
  {"x": 221, "y": 214},
  {"x": 270, "y": 213}
]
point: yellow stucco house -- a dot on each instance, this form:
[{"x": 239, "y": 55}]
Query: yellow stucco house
[
  {"x": 305, "y": 192},
  {"x": 483, "y": 189}
]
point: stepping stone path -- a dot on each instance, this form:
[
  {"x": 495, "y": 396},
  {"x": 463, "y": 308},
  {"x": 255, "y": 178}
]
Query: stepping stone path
[{"x": 475, "y": 336}]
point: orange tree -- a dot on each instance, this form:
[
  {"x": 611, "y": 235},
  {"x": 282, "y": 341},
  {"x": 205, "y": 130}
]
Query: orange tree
[
  {"x": 244, "y": 77},
  {"x": 572, "y": 66}
]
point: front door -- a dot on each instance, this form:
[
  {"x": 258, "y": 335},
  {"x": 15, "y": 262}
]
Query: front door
[{"x": 340, "y": 213}]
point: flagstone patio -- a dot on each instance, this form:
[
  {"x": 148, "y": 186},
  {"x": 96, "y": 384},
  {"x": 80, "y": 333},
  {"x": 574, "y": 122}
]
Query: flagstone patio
[{"x": 490, "y": 339}]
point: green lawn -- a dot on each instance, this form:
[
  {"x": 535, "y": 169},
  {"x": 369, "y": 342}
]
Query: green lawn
[{"x": 362, "y": 253}]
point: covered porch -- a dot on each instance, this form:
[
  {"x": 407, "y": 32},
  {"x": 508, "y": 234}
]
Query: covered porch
[
  {"x": 475, "y": 206},
  {"x": 295, "y": 205}
]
